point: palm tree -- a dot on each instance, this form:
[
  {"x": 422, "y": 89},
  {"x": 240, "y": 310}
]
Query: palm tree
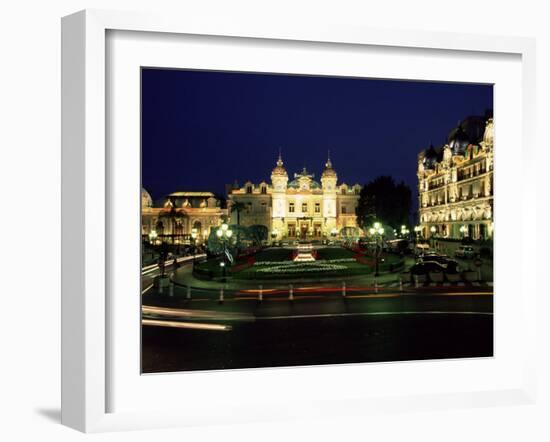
[
  {"x": 173, "y": 214},
  {"x": 238, "y": 207}
]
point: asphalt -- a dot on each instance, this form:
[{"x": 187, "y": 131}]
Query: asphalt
[{"x": 316, "y": 325}]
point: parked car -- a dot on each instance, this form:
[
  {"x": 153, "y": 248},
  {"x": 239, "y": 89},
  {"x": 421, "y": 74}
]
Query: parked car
[
  {"x": 444, "y": 260},
  {"x": 424, "y": 268},
  {"x": 465, "y": 252},
  {"x": 430, "y": 268},
  {"x": 421, "y": 249}
]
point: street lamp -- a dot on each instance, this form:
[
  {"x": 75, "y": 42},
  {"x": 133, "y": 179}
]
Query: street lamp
[
  {"x": 377, "y": 231},
  {"x": 153, "y": 236},
  {"x": 463, "y": 229},
  {"x": 417, "y": 230},
  {"x": 224, "y": 233},
  {"x": 432, "y": 230},
  {"x": 274, "y": 234},
  {"x": 194, "y": 237}
]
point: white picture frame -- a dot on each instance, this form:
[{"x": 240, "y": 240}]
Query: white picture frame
[{"x": 85, "y": 215}]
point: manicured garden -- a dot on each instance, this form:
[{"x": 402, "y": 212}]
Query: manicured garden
[{"x": 277, "y": 263}]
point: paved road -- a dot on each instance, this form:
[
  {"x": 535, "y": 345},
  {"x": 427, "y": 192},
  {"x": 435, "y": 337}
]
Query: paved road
[
  {"x": 318, "y": 340},
  {"x": 318, "y": 326}
]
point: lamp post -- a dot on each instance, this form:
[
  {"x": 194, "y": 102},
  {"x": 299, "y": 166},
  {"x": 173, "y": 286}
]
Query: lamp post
[
  {"x": 417, "y": 230},
  {"x": 377, "y": 231},
  {"x": 432, "y": 230},
  {"x": 194, "y": 238},
  {"x": 274, "y": 234},
  {"x": 153, "y": 236},
  {"x": 224, "y": 233},
  {"x": 463, "y": 229}
]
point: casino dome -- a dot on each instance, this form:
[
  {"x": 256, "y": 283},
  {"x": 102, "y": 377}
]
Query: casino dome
[
  {"x": 328, "y": 172},
  {"x": 279, "y": 169},
  {"x": 146, "y": 200}
]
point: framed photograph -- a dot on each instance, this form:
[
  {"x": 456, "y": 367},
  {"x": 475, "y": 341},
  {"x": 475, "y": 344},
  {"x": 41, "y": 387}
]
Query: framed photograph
[{"x": 269, "y": 223}]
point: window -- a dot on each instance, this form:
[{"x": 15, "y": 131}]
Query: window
[
  {"x": 264, "y": 189},
  {"x": 248, "y": 189},
  {"x": 291, "y": 208},
  {"x": 317, "y": 208},
  {"x": 304, "y": 207},
  {"x": 343, "y": 190},
  {"x": 264, "y": 207},
  {"x": 344, "y": 209}
]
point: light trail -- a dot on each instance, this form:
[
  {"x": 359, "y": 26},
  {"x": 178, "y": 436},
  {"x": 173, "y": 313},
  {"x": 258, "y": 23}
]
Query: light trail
[
  {"x": 152, "y": 267},
  {"x": 146, "y": 289},
  {"x": 333, "y": 315},
  {"x": 190, "y": 313},
  {"x": 338, "y": 289},
  {"x": 188, "y": 325}
]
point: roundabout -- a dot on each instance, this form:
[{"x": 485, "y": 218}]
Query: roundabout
[{"x": 278, "y": 267}]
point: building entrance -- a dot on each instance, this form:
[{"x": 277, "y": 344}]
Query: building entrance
[{"x": 303, "y": 230}]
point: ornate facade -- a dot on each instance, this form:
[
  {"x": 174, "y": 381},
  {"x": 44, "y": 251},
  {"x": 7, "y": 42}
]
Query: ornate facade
[
  {"x": 180, "y": 215},
  {"x": 455, "y": 183},
  {"x": 301, "y": 208}
]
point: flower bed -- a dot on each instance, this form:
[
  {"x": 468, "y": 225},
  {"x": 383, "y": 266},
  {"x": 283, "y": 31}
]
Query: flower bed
[{"x": 301, "y": 267}]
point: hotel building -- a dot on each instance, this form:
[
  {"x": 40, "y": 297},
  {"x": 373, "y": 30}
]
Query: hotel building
[{"x": 455, "y": 183}]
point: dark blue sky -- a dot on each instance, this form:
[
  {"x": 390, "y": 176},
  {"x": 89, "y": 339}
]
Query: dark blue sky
[{"x": 201, "y": 129}]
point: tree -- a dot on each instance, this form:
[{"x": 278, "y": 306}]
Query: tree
[
  {"x": 238, "y": 207},
  {"x": 385, "y": 201},
  {"x": 174, "y": 215},
  {"x": 259, "y": 233}
]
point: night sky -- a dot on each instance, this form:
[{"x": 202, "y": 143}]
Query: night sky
[{"x": 201, "y": 129}]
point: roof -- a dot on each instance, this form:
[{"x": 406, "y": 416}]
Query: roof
[
  {"x": 191, "y": 194},
  {"x": 312, "y": 184}
]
